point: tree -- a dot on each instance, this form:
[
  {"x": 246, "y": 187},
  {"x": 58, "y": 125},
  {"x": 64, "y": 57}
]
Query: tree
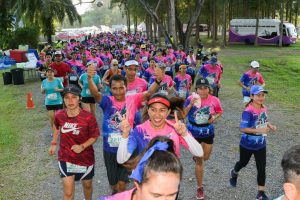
[{"x": 46, "y": 12}]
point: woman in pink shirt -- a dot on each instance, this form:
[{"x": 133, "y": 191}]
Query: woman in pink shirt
[{"x": 157, "y": 174}]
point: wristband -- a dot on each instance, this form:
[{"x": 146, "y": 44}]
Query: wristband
[
  {"x": 53, "y": 143},
  {"x": 157, "y": 82}
]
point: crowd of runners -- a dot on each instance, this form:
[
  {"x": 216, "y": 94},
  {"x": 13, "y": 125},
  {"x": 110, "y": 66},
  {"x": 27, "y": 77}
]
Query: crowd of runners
[{"x": 154, "y": 101}]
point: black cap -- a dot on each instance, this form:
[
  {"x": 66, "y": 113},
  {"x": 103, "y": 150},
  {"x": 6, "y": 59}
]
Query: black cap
[
  {"x": 202, "y": 82},
  {"x": 71, "y": 89}
]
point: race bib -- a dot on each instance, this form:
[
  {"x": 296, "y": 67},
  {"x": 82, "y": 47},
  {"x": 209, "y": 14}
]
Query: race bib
[
  {"x": 43, "y": 75},
  {"x": 182, "y": 93},
  {"x": 73, "y": 168},
  {"x": 264, "y": 125},
  {"x": 52, "y": 96},
  {"x": 114, "y": 139},
  {"x": 168, "y": 69},
  {"x": 73, "y": 78},
  {"x": 88, "y": 92},
  {"x": 106, "y": 67},
  {"x": 131, "y": 92},
  {"x": 211, "y": 80},
  {"x": 201, "y": 118}
]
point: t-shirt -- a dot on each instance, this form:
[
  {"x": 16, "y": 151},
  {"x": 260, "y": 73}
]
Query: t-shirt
[
  {"x": 180, "y": 56},
  {"x": 76, "y": 66},
  {"x": 52, "y": 97},
  {"x": 141, "y": 135},
  {"x": 159, "y": 59},
  {"x": 182, "y": 85},
  {"x": 61, "y": 70},
  {"x": 126, "y": 195},
  {"x": 198, "y": 117},
  {"x": 106, "y": 58},
  {"x": 148, "y": 73},
  {"x": 138, "y": 85},
  {"x": 85, "y": 92},
  {"x": 111, "y": 122},
  {"x": 76, "y": 130},
  {"x": 166, "y": 82},
  {"x": 253, "y": 118},
  {"x": 212, "y": 74},
  {"x": 249, "y": 79}
]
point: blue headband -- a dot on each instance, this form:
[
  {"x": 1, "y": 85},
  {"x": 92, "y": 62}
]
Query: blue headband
[{"x": 137, "y": 173}]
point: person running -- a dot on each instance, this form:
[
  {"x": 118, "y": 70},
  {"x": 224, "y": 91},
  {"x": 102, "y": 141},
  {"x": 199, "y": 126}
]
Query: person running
[
  {"x": 76, "y": 67},
  {"x": 109, "y": 73},
  {"x": 254, "y": 126},
  {"x": 290, "y": 164},
  {"x": 191, "y": 63},
  {"x": 78, "y": 131},
  {"x": 61, "y": 68},
  {"x": 158, "y": 109},
  {"x": 113, "y": 105},
  {"x": 167, "y": 82},
  {"x": 212, "y": 72},
  {"x": 249, "y": 78},
  {"x": 150, "y": 70},
  {"x": 88, "y": 101},
  {"x": 183, "y": 82},
  {"x": 42, "y": 67},
  {"x": 202, "y": 109},
  {"x": 52, "y": 87},
  {"x": 157, "y": 175}
]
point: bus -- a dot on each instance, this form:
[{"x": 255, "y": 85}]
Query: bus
[{"x": 243, "y": 31}]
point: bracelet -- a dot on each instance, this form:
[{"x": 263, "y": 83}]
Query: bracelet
[
  {"x": 157, "y": 82},
  {"x": 53, "y": 143}
]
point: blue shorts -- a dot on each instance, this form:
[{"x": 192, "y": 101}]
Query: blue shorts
[{"x": 80, "y": 172}]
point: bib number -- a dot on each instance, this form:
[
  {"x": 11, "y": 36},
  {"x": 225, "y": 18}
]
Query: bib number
[
  {"x": 131, "y": 92},
  {"x": 182, "y": 93},
  {"x": 52, "y": 96},
  {"x": 210, "y": 80},
  {"x": 168, "y": 69},
  {"x": 73, "y": 168},
  {"x": 106, "y": 67},
  {"x": 114, "y": 139},
  {"x": 88, "y": 92},
  {"x": 73, "y": 78}
]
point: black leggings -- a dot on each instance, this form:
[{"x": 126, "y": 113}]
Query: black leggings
[{"x": 260, "y": 159}]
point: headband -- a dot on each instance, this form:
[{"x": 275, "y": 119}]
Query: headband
[{"x": 137, "y": 173}]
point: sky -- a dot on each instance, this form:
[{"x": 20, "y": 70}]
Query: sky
[{"x": 81, "y": 9}]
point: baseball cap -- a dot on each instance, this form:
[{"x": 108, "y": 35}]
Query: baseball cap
[
  {"x": 213, "y": 60},
  {"x": 71, "y": 89},
  {"x": 131, "y": 62},
  {"x": 256, "y": 89},
  {"x": 254, "y": 64},
  {"x": 161, "y": 65},
  {"x": 49, "y": 68},
  {"x": 202, "y": 82},
  {"x": 57, "y": 53},
  {"x": 114, "y": 61}
]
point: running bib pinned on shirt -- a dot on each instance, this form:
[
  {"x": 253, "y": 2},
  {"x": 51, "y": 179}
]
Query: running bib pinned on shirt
[
  {"x": 88, "y": 92},
  {"x": 106, "y": 67},
  {"x": 114, "y": 139},
  {"x": 52, "y": 96},
  {"x": 168, "y": 69},
  {"x": 211, "y": 80},
  {"x": 182, "y": 93},
  {"x": 73, "y": 78},
  {"x": 73, "y": 168}
]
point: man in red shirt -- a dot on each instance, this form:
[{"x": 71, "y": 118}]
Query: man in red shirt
[
  {"x": 78, "y": 131},
  {"x": 61, "y": 69}
]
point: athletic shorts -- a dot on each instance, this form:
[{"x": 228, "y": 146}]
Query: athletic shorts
[
  {"x": 80, "y": 172},
  {"x": 207, "y": 140},
  {"x": 88, "y": 100},
  {"x": 54, "y": 107},
  {"x": 115, "y": 171}
]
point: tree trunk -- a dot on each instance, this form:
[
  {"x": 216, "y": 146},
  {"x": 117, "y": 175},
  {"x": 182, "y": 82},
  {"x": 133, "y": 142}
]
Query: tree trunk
[
  {"x": 151, "y": 28},
  {"x": 296, "y": 14},
  {"x": 128, "y": 19},
  {"x": 257, "y": 24},
  {"x": 224, "y": 24},
  {"x": 135, "y": 23},
  {"x": 147, "y": 26},
  {"x": 155, "y": 32},
  {"x": 172, "y": 21},
  {"x": 286, "y": 10},
  {"x": 197, "y": 29},
  {"x": 214, "y": 28},
  {"x": 281, "y": 24}
]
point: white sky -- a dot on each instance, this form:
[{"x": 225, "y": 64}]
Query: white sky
[{"x": 81, "y": 9}]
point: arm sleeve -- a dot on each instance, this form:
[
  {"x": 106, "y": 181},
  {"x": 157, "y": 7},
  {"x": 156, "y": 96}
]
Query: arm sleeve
[
  {"x": 194, "y": 147},
  {"x": 123, "y": 155}
]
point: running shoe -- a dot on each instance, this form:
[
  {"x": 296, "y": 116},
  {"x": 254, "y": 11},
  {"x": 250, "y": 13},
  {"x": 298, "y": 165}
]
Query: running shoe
[
  {"x": 200, "y": 193},
  {"x": 261, "y": 196},
  {"x": 233, "y": 178}
]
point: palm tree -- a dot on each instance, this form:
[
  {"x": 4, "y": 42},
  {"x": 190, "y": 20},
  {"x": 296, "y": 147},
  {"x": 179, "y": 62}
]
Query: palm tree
[{"x": 46, "y": 12}]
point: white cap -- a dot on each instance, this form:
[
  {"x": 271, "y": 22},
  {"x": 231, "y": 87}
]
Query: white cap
[
  {"x": 57, "y": 53},
  {"x": 254, "y": 64},
  {"x": 131, "y": 62}
]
